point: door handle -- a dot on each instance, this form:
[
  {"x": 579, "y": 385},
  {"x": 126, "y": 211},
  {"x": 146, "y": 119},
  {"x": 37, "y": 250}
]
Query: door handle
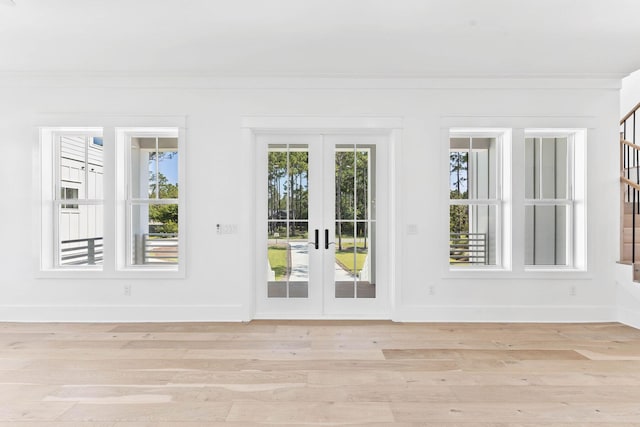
[
  {"x": 316, "y": 242},
  {"x": 326, "y": 239}
]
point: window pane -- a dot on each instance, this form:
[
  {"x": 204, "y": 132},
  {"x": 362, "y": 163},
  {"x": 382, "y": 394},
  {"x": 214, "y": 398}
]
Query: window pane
[
  {"x": 473, "y": 235},
  {"x": 546, "y": 168},
  {"x": 143, "y": 168},
  {"x": 459, "y": 167},
  {"x": 483, "y": 167},
  {"x": 80, "y": 168},
  {"x": 546, "y": 235},
  {"x": 154, "y": 234},
  {"x": 154, "y": 168},
  {"x": 168, "y": 175},
  {"x": 80, "y": 232}
]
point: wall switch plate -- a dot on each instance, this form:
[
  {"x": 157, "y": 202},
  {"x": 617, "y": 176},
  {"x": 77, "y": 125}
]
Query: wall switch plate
[{"x": 227, "y": 228}]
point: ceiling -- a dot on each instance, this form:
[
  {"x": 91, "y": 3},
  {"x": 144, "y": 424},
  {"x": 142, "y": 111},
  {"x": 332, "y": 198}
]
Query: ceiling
[{"x": 314, "y": 38}]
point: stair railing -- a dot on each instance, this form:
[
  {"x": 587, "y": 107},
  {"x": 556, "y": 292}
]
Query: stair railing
[{"x": 629, "y": 177}]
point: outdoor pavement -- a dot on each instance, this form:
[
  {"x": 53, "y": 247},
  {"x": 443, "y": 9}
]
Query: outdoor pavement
[{"x": 300, "y": 264}]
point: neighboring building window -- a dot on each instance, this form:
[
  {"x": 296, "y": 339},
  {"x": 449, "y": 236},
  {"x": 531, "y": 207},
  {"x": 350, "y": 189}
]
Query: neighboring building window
[
  {"x": 152, "y": 198},
  {"x": 553, "y": 209},
  {"x": 475, "y": 201},
  {"x": 77, "y": 207},
  {"x": 67, "y": 193}
]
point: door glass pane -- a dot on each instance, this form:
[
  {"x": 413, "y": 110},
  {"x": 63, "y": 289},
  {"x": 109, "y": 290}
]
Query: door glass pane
[
  {"x": 345, "y": 182},
  {"x": 287, "y": 214},
  {"x": 154, "y": 234},
  {"x": 546, "y": 235},
  {"x": 278, "y": 267},
  {"x": 365, "y": 259},
  {"x": 298, "y": 177},
  {"x": 363, "y": 184},
  {"x": 355, "y": 214},
  {"x": 299, "y": 260},
  {"x": 80, "y": 235},
  {"x": 345, "y": 268}
]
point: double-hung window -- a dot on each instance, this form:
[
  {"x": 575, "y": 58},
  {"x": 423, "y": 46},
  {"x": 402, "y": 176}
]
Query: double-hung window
[
  {"x": 151, "y": 192},
  {"x": 554, "y": 208},
  {"x": 475, "y": 199},
  {"x": 72, "y": 199}
]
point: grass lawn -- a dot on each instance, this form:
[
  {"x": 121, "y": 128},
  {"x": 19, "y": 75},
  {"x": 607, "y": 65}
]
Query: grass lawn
[
  {"x": 345, "y": 258},
  {"x": 278, "y": 260}
]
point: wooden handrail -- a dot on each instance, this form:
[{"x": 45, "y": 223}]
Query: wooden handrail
[
  {"x": 630, "y": 144},
  {"x": 629, "y": 182},
  {"x": 630, "y": 113}
]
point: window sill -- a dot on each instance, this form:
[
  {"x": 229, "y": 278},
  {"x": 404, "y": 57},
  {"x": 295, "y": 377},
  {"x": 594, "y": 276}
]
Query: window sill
[
  {"x": 533, "y": 274},
  {"x": 101, "y": 275}
]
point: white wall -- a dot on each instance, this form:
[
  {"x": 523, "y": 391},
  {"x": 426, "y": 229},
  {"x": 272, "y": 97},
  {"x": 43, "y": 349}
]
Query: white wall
[
  {"x": 219, "y": 276},
  {"x": 629, "y": 93}
]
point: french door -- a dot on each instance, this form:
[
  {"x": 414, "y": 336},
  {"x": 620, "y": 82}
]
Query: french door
[{"x": 322, "y": 226}]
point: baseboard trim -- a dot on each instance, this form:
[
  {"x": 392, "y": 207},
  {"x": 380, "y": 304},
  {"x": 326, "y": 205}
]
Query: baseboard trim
[
  {"x": 629, "y": 317},
  {"x": 511, "y": 313},
  {"x": 124, "y": 313},
  {"x": 240, "y": 313}
]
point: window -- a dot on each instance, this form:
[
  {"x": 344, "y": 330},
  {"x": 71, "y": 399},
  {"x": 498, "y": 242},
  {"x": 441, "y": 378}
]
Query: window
[
  {"x": 73, "y": 199},
  {"x": 553, "y": 198},
  {"x": 137, "y": 218},
  {"x": 67, "y": 193},
  {"x": 475, "y": 200},
  {"x": 152, "y": 194}
]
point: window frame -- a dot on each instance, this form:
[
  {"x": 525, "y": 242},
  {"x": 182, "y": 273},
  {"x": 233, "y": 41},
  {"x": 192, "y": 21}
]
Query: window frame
[
  {"x": 501, "y": 136},
  {"x": 574, "y": 202},
  {"x": 125, "y": 186}
]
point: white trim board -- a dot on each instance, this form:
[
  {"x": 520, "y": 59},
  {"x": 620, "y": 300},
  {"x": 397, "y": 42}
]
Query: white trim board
[
  {"x": 123, "y": 313},
  {"x": 212, "y": 81},
  {"x": 505, "y": 313}
]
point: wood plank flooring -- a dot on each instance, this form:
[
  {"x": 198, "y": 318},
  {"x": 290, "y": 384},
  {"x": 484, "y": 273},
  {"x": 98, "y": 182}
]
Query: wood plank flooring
[{"x": 368, "y": 373}]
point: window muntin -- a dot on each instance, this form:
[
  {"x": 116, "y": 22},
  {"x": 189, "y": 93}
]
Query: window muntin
[
  {"x": 475, "y": 206},
  {"x": 549, "y": 199}
]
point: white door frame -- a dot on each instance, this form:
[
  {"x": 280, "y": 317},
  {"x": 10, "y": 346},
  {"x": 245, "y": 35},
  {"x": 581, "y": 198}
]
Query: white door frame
[{"x": 391, "y": 128}]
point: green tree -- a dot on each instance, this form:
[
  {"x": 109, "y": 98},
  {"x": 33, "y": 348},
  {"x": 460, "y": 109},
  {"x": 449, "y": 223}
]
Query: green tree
[{"x": 164, "y": 218}]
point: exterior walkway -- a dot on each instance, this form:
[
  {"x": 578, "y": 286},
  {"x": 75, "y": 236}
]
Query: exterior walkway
[{"x": 300, "y": 264}]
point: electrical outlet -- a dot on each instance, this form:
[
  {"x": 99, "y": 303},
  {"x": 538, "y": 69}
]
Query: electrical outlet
[
  {"x": 432, "y": 290},
  {"x": 572, "y": 291},
  {"x": 127, "y": 290}
]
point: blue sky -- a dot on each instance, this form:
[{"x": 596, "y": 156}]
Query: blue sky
[{"x": 169, "y": 168}]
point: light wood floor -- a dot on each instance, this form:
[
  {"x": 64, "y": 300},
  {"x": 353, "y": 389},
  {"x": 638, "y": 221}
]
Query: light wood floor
[{"x": 325, "y": 372}]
